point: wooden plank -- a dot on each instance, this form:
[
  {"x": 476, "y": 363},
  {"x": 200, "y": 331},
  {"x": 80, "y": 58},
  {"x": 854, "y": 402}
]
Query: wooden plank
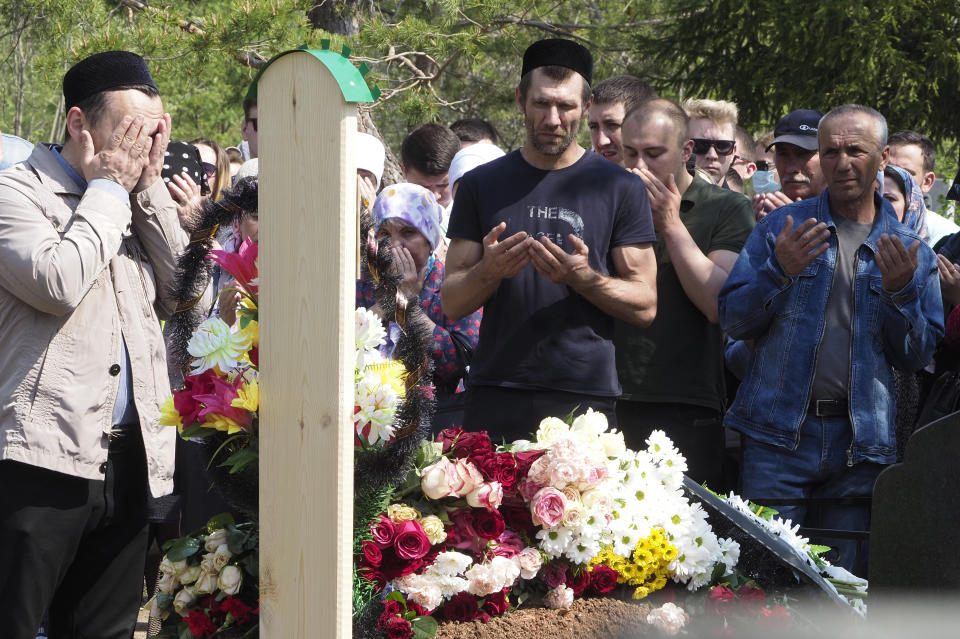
[{"x": 307, "y": 237}]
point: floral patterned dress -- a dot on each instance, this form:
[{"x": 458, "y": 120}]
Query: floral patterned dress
[{"x": 448, "y": 366}]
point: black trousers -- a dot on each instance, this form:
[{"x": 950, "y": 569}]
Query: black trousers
[
  {"x": 514, "y": 413},
  {"x": 74, "y": 546},
  {"x": 697, "y": 431}
]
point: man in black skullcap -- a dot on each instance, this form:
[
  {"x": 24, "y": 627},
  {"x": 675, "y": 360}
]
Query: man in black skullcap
[
  {"x": 87, "y": 257},
  {"x": 554, "y": 242}
]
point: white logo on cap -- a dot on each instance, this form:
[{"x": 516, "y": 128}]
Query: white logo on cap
[{"x": 804, "y": 127}]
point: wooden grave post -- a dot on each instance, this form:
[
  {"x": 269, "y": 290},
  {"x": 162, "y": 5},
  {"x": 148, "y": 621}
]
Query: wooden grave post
[{"x": 307, "y": 200}]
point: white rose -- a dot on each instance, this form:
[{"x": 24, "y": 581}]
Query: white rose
[
  {"x": 215, "y": 539},
  {"x": 436, "y": 478},
  {"x": 168, "y": 567},
  {"x": 189, "y": 574},
  {"x": 206, "y": 564},
  {"x": 590, "y": 422},
  {"x": 221, "y": 558},
  {"x": 551, "y": 428},
  {"x": 206, "y": 584},
  {"x": 613, "y": 444},
  {"x": 168, "y": 583},
  {"x": 231, "y": 577},
  {"x": 183, "y": 600}
]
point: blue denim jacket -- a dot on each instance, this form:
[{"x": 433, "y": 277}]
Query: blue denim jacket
[{"x": 785, "y": 317}]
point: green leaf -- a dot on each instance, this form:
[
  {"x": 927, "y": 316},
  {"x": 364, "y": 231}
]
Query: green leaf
[
  {"x": 814, "y": 549},
  {"x": 251, "y": 564},
  {"x": 185, "y": 632},
  {"x": 240, "y": 459},
  {"x": 236, "y": 539},
  {"x": 568, "y": 420},
  {"x": 220, "y": 521},
  {"x": 197, "y": 430},
  {"x": 164, "y": 600},
  {"x": 182, "y": 548},
  {"x": 396, "y": 595},
  {"x": 424, "y": 628}
]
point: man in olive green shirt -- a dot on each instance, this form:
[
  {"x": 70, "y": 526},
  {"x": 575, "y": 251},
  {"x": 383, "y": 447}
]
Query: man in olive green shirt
[{"x": 672, "y": 372}]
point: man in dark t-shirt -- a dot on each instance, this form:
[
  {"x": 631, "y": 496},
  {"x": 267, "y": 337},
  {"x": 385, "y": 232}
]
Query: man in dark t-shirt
[
  {"x": 554, "y": 242},
  {"x": 672, "y": 371}
]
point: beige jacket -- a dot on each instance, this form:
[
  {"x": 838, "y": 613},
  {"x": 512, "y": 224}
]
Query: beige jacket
[{"x": 77, "y": 268}]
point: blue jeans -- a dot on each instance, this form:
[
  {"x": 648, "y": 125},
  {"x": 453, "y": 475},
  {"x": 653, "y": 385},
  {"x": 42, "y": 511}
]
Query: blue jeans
[{"x": 816, "y": 469}]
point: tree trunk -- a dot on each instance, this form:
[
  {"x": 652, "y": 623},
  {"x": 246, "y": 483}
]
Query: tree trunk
[
  {"x": 391, "y": 167},
  {"x": 342, "y": 18}
]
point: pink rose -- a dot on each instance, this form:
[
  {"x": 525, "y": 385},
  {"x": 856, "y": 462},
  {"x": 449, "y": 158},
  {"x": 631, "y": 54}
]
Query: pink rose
[
  {"x": 528, "y": 488},
  {"x": 466, "y": 478},
  {"x": 594, "y": 476},
  {"x": 547, "y": 507},
  {"x": 411, "y": 541},
  {"x": 486, "y": 496},
  {"x": 437, "y": 479},
  {"x": 530, "y": 562},
  {"x": 383, "y": 531},
  {"x": 508, "y": 544}
]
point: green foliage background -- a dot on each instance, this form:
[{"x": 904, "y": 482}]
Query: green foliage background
[{"x": 446, "y": 59}]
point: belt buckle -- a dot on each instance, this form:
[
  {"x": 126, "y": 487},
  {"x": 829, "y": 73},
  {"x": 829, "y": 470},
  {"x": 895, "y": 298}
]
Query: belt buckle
[{"x": 825, "y": 403}]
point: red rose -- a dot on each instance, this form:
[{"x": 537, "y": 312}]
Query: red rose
[
  {"x": 394, "y": 566},
  {"x": 392, "y": 607},
  {"x": 525, "y": 460},
  {"x": 383, "y": 531},
  {"x": 398, "y": 628},
  {"x": 463, "y": 523},
  {"x": 489, "y": 524},
  {"x": 372, "y": 556},
  {"x": 554, "y": 574},
  {"x": 461, "y": 607},
  {"x": 499, "y": 467},
  {"x": 776, "y": 618},
  {"x": 578, "y": 582},
  {"x": 518, "y": 518},
  {"x": 752, "y": 600},
  {"x": 497, "y": 604},
  {"x": 448, "y": 437},
  {"x": 417, "y": 609},
  {"x": 374, "y": 576},
  {"x": 720, "y": 600},
  {"x": 255, "y": 355},
  {"x": 411, "y": 542},
  {"x": 470, "y": 444},
  {"x": 603, "y": 579},
  {"x": 486, "y": 463},
  {"x": 200, "y": 624}
]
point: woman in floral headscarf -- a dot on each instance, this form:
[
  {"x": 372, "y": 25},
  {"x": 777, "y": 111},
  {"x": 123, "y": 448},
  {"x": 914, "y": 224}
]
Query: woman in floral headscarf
[
  {"x": 409, "y": 216},
  {"x": 902, "y": 191}
]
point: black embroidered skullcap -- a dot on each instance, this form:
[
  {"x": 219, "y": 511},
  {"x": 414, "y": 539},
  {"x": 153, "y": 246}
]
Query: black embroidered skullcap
[
  {"x": 107, "y": 71},
  {"x": 184, "y": 158},
  {"x": 561, "y": 53}
]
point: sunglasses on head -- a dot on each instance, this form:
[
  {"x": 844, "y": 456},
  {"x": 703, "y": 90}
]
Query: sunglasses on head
[
  {"x": 209, "y": 169},
  {"x": 702, "y": 145}
]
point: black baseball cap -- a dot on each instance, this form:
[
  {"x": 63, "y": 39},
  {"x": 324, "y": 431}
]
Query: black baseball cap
[{"x": 799, "y": 128}]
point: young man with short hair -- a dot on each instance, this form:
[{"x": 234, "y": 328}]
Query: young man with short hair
[
  {"x": 426, "y": 155},
  {"x": 612, "y": 100},
  {"x": 713, "y": 126}
]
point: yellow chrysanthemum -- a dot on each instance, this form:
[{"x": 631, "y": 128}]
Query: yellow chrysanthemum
[
  {"x": 221, "y": 422},
  {"x": 391, "y": 373},
  {"x": 248, "y": 395},
  {"x": 169, "y": 415}
]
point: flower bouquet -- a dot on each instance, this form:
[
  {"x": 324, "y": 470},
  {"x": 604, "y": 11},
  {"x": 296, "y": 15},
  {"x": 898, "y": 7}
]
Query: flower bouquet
[
  {"x": 208, "y": 585},
  {"x": 220, "y": 399}
]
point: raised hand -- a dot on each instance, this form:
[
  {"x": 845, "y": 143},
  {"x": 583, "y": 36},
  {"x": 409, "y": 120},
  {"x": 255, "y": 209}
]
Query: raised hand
[
  {"x": 123, "y": 157},
  {"x": 411, "y": 278},
  {"x": 664, "y": 199},
  {"x": 949, "y": 280},
  {"x": 154, "y": 155},
  {"x": 504, "y": 259},
  {"x": 897, "y": 264},
  {"x": 186, "y": 193},
  {"x": 764, "y": 203},
  {"x": 555, "y": 264},
  {"x": 797, "y": 248}
]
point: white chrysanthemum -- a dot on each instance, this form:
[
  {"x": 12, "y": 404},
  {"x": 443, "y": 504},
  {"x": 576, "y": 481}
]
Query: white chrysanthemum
[
  {"x": 450, "y": 563},
  {"x": 730, "y": 550},
  {"x": 449, "y": 585},
  {"x": 214, "y": 344},
  {"x": 554, "y": 541},
  {"x": 378, "y": 404},
  {"x": 582, "y": 550},
  {"x": 369, "y": 334}
]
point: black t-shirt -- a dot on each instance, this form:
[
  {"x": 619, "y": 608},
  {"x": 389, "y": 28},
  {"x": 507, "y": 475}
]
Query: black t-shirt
[
  {"x": 536, "y": 334},
  {"x": 679, "y": 358}
]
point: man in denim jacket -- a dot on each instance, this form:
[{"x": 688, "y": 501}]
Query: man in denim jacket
[{"x": 831, "y": 304}]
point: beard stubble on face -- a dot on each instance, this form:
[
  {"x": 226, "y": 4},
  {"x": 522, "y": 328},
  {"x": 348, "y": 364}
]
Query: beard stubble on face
[{"x": 557, "y": 146}]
